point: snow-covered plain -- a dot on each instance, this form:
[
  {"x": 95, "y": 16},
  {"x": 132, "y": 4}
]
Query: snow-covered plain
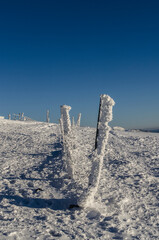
[{"x": 36, "y": 191}]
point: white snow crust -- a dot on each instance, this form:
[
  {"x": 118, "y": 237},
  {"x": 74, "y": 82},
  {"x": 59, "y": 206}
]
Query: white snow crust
[
  {"x": 36, "y": 191},
  {"x": 119, "y": 128}
]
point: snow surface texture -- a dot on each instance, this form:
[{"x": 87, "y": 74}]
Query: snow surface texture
[
  {"x": 36, "y": 190},
  {"x": 119, "y": 128}
]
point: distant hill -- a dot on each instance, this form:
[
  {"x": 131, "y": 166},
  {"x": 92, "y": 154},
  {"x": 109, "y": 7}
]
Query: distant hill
[{"x": 155, "y": 130}]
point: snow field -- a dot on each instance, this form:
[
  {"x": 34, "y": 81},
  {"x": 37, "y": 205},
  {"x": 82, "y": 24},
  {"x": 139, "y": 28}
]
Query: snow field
[{"x": 36, "y": 190}]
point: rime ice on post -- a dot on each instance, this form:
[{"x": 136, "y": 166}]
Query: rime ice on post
[
  {"x": 73, "y": 122},
  {"x": 66, "y": 126},
  {"x": 47, "y": 116},
  {"x": 66, "y": 118},
  {"x": 61, "y": 126},
  {"x": 79, "y": 120},
  {"x": 104, "y": 117},
  {"x": 9, "y": 116},
  {"x": 14, "y": 116},
  {"x": 22, "y": 116}
]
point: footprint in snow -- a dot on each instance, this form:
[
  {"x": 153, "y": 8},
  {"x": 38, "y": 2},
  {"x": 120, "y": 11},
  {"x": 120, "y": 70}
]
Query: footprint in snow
[{"x": 92, "y": 214}]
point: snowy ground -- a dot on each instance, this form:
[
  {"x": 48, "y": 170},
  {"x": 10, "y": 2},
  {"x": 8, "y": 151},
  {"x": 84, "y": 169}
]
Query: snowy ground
[{"x": 36, "y": 191}]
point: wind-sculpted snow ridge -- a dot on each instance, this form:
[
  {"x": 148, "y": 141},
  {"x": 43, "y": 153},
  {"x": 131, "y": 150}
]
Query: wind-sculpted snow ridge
[{"x": 36, "y": 189}]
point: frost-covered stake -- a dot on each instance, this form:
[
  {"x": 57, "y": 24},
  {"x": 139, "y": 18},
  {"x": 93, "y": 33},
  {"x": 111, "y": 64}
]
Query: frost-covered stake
[
  {"x": 104, "y": 117},
  {"x": 9, "y": 116},
  {"x": 22, "y": 116},
  {"x": 14, "y": 116},
  {"x": 66, "y": 126},
  {"x": 47, "y": 116},
  {"x": 61, "y": 126},
  {"x": 66, "y": 118},
  {"x": 73, "y": 122},
  {"x": 79, "y": 120}
]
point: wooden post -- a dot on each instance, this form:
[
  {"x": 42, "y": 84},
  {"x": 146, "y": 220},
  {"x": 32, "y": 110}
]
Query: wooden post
[
  {"x": 104, "y": 117},
  {"x": 66, "y": 118},
  {"x": 47, "y": 116},
  {"x": 79, "y": 120},
  {"x": 73, "y": 122},
  {"x": 97, "y": 124},
  {"x": 66, "y": 126}
]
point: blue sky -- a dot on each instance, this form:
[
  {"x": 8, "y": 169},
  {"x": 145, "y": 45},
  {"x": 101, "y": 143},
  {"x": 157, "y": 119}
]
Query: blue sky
[{"x": 55, "y": 52}]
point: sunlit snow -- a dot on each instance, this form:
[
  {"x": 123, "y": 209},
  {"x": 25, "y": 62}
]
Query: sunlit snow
[{"x": 36, "y": 191}]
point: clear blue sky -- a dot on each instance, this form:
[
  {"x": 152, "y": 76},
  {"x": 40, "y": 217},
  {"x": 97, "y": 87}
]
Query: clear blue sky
[{"x": 55, "y": 52}]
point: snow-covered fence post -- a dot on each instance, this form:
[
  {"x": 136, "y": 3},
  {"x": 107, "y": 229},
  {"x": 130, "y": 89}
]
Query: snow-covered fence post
[
  {"x": 61, "y": 127},
  {"x": 9, "y": 116},
  {"x": 22, "y": 116},
  {"x": 97, "y": 130},
  {"x": 79, "y": 120},
  {"x": 61, "y": 124},
  {"x": 47, "y": 116},
  {"x": 66, "y": 126},
  {"x": 73, "y": 122},
  {"x": 66, "y": 118},
  {"x": 104, "y": 117},
  {"x": 14, "y": 116}
]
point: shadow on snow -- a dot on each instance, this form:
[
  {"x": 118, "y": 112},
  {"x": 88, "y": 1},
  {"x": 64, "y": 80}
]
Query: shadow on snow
[
  {"x": 54, "y": 204},
  {"x": 54, "y": 165}
]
